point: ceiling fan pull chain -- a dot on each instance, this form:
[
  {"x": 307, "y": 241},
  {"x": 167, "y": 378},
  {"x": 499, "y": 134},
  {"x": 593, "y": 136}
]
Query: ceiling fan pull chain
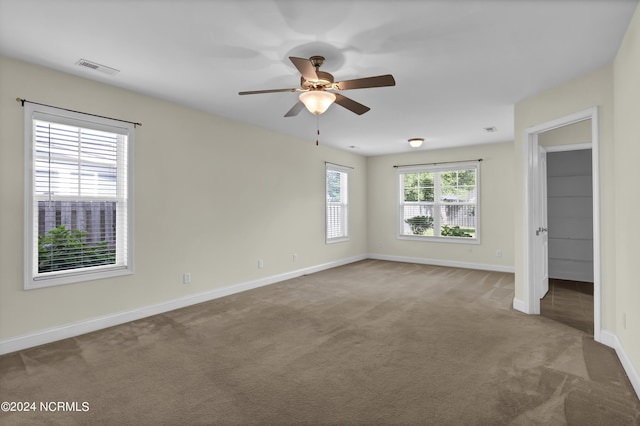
[{"x": 318, "y": 128}]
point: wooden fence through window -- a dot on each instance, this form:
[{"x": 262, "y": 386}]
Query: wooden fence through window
[{"x": 96, "y": 218}]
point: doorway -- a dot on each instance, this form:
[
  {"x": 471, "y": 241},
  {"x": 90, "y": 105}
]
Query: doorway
[
  {"x": 570, "y": 227},
  {"x": 535, "y": 261}
]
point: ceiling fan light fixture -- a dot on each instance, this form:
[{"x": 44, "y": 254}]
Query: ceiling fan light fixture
[
  {"x": 416, "y": 142},
  {"x": 317, "y": 101}
]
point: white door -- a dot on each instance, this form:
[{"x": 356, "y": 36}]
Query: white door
[{"x": 542, "y": 234}]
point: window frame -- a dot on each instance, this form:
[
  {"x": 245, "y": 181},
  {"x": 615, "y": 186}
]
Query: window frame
[
  {"x": 124, "y": 237},
  {"x": 436, "y": 169},
  {"x": 344, "y": 190}
]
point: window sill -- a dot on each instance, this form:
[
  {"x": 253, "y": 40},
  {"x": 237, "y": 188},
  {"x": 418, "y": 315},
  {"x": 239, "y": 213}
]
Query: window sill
[
  {"x": 337, "y": 240},
  {"x": 455, "y": 240},
  {"x": 44, "y": 281}
]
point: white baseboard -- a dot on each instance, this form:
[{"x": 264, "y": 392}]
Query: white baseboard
[
  {"x": 611, "y": 340},
  {"x": 582, "y": 277},
  {"x": 93, "y": 324},
  {"x": 519, "y": 305},
  {"x": 441, "y": 262}
]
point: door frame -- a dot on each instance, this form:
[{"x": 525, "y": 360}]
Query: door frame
[{"x": 530, "y": 157}]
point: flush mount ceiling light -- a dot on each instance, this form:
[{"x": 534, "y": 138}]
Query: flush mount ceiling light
[
  {"x": 317, "y": 101},
  {"x": 416, "y": 142}
]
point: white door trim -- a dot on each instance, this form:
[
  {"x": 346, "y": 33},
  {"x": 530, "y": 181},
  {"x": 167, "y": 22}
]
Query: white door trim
[{"x": 531, "y": 304}]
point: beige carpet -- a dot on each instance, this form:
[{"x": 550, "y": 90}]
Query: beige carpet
[{"x": 372, "y": 343}]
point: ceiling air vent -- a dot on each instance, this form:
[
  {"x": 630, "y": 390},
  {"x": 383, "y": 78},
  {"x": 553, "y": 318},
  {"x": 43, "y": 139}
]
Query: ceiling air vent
[{"x": 97, "y": 67}]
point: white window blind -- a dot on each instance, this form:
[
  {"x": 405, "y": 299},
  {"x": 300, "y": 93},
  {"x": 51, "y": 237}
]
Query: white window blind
[
  {"x": 77, "y": 201},
  {"x": 440, "y": 202},
  {"x": 337, "y": 208}
]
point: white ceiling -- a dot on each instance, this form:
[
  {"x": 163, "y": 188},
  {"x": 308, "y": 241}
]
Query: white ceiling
[{"x": 459, "y": 65}]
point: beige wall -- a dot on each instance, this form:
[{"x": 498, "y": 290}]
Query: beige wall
[
  {"x": 211, "y": 197},
  {"x": 496, "y": 213},
  {"x": 576, "y": 133},
  {"x": 593, "y": 89},
  {"x": 626, "y": 72}
]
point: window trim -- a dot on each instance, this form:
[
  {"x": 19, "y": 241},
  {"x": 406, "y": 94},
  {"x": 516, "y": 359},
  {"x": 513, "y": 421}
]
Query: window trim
[
  {"x": 32, "y": 280},
  {"x": 401, "y": 170},
  {"x": 345, "y": 205}
]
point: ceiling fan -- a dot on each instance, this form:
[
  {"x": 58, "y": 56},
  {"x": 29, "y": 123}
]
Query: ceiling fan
[{"x": 317, "y": 88}]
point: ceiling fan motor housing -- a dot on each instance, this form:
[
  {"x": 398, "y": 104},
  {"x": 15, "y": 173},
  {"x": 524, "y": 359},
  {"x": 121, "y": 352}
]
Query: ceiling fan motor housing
[{"x": 324, "y": 79}]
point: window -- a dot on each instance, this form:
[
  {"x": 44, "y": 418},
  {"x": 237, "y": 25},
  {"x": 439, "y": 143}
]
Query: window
[
  {"x": 337, "y": 203},
  {"x": 78, "y": 211},
  {"x": 440, "y": 202}
]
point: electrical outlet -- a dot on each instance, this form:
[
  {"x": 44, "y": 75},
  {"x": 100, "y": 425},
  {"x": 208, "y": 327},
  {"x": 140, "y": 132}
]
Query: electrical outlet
[
  {"x": 186, "y": 278},
  {"x": 498, "y": 253},
  {"x": 260, "y": 263},
  {"x": 294, "y": 258}
]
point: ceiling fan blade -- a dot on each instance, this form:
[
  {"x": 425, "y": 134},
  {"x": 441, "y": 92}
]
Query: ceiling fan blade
[
  {"x": 305, "y": 67},
  {"x": 350, "y": 104},
  {"x": 256, "y": 92},
  {"x": 363, "y": 83},
  {"x": 295, "y": 110}
]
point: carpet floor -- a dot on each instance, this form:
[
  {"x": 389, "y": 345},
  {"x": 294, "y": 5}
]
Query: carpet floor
[{"x": 370, "y": 343}]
